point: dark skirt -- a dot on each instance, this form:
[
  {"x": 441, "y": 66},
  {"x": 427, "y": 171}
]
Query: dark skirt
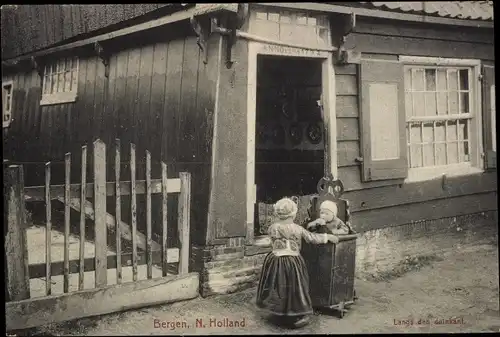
[{"x": 284, "y": 286}]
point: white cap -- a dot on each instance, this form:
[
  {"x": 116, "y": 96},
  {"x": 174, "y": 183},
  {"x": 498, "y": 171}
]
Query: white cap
[
  {"x": 329, "y": 205},
  {"x": 285, "y": 208}
]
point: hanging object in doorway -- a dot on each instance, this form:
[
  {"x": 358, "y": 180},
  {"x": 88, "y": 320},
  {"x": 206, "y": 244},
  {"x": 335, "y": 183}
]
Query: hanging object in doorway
[
  {"x": 278, "y": 135},
  {"x": 262, "y": 135},
  {"x": 314, "y": 133},
  {"x": 295, "y": 133},
  {"x": 283, "y": 97}
]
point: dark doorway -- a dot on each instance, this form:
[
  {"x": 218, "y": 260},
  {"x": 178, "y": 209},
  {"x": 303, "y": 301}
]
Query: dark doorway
[{"x": 289, "y": 158}]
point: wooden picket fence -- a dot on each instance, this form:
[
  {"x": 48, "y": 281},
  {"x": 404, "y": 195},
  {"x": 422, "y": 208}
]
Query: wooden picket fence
[{"x": 24, "y": 311}]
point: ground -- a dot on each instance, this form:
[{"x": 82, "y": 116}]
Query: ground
[{"x": 461, "y": 283}]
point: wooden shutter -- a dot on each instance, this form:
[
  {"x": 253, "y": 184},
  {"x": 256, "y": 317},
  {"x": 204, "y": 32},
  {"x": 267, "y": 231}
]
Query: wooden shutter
[
  {"x": 489, "y": 116},
  {"x": 383, "y": 126}
]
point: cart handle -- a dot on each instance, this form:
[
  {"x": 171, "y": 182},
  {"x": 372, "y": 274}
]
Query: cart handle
[{"x": 347, "y": 237}]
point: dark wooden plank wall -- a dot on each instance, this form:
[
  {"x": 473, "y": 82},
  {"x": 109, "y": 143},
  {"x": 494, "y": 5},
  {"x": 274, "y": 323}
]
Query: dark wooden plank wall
[
  {"x": 374, "y": 204},
  {"x": 159, "y": 96},
  {"x": 44, "y": 133},
  {"x": 31, "y": 27}
]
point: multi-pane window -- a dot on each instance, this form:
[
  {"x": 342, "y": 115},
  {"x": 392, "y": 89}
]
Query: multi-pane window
[
  {"x": 60, "y": 81},
  {"x": 292, "y": 27},
  {"x": 6, "y": 103},
  {"x": 439, "y": 112}
]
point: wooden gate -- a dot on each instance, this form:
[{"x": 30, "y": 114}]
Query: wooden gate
[{"x": 167, "y": 275}]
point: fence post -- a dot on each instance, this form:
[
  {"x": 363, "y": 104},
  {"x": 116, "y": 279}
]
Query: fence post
[
  {"x": 101, "y": 245},
  {"x": 184, "y": 221},
  {"x": 16, "y": 243}
]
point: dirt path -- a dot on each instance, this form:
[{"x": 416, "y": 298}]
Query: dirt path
[
  {"x": 36, "y": 255},
  {"x": 462, "y": 285}
]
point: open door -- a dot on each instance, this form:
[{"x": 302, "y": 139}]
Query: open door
[{"x": 290, "y": 133}]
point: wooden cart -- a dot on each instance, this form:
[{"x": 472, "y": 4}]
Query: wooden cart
[{"x": 331, "y": 266}]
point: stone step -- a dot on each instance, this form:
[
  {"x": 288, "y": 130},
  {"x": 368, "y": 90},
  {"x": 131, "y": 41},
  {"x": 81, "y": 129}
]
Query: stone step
[{"x": 217, "y": 275}]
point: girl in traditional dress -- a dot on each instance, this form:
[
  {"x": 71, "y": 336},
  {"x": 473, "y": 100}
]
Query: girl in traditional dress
[{"x": 284, "y": 282}]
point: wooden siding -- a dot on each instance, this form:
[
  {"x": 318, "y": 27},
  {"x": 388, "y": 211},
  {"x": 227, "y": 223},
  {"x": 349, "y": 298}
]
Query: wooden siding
[
  {"x": 159, "y": 96},
  {"x": 429, "y": 210},
  {"x": 393, "y": 202},
  {"x": 384, "y": 37},
  {"x": 31, "y": 27},
  {"x": 405, "y": 39},
  {"x": 348, "y": 145}
]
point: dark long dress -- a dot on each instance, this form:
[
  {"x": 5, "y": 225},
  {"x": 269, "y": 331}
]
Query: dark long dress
[{"x": 284, "y": 282}]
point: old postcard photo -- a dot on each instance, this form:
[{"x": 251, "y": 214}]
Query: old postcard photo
[{"x": 250, "y": 168}]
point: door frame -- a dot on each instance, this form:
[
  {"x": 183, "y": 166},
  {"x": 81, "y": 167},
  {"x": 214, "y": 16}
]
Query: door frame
[{"x": 329, "y": 113}]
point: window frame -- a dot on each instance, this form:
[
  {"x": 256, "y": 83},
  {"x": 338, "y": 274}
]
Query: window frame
[
  {"x": 476, "y": 164},
  {"x": 63, "y": 96},
  {"x": 6, "y": 124},
  {"x": 268, "y": 23},
  {"x": 493, "y": 118}
]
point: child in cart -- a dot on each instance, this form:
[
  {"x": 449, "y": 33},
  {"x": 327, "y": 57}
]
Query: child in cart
[
  {"x": 328, "y": 221},
  {"x": 283, "y": 289}
]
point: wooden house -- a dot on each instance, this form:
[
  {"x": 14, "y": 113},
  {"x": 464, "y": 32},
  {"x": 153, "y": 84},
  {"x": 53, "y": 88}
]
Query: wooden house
[{"x": 259, "y": 101}]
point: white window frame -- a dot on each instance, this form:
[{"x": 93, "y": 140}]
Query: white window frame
[
  {"x": 290, "y": 25},
  {"x": 8, "y": 100},
  {"x": 493, "y": 118},
  {"x": 476, "y": 164},
  {"x": 60, "y": 97}
]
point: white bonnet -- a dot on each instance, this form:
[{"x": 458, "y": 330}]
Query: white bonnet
[
  {"x": 285, "y": 208},
  {"x": 329, "y": 205}
]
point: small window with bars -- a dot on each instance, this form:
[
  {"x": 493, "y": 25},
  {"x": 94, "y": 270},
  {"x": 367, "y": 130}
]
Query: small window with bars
[
  {"x": 7, "y": 103},
  {"x": 439, "y": 115},
  {"x": 60, "y": 81}
]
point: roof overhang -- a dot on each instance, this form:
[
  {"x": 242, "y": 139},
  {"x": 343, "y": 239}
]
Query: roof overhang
[
  {"x": 185, "y": 14},
  {"x": 376, "y": 13}
]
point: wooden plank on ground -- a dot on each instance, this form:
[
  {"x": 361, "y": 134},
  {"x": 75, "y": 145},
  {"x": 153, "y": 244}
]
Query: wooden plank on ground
[
  {"x": 126, "y": 232},
  {"x": 38, "y": 270},
  {"x": 92, "y": 302},
  {"x": 37, "y": 193}
]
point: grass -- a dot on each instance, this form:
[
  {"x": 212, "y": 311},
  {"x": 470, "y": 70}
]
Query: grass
[{"x": 409, "y": 264}]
